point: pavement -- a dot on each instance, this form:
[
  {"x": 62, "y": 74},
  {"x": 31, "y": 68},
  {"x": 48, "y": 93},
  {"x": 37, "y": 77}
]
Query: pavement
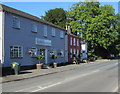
[{"x": 26, "y": 74}]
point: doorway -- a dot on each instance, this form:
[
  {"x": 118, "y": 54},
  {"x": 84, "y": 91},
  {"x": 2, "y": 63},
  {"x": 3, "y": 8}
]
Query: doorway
[{"x": 44, "y": 52}]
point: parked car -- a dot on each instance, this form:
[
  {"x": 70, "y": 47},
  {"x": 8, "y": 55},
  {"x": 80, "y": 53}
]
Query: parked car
[
  {"x": 91, "y": 58},
  {"x": 111, "y": 56}
]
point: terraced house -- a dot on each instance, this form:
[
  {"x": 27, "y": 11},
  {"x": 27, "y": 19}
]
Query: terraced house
[{"x": 21, "y": 33}]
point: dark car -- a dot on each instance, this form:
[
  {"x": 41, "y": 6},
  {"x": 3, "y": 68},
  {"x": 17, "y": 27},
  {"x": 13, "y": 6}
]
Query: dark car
[{"x": 111, "y": 56}]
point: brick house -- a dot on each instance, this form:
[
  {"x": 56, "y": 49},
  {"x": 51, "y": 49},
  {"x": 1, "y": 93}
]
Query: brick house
[{"x": 74, "y": 46}]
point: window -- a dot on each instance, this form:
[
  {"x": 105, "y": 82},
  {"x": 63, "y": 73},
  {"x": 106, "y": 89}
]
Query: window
[
  {"x": 16, "y": 22},
  {"x": 53, "y": 52},
  {"x": 77, "y": 42},
  {"x": 45, "y": 30},
  {"x": 53, "y": 32},
  {"x": 61, "y": 34},
  {"x": 34, "y": 27},
  {"x": 70, "y": 53},
  {"x": 62, "y": 52},
  {"x": 16, "y": 52},
  {"x": 77, "y": 52},
  {"x": 74, "y": 43},
  {"x": 34, "y": 50},
  {"x": 70, "y": 40}
]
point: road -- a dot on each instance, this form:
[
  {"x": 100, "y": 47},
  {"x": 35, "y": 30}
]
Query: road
[{"x": 91, "y": 77}]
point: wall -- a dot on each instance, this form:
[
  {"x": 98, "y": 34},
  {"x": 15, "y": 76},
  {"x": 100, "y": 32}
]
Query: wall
[
  {"x": 26, "y": 38},
  {"x": 1, "y": 37}
]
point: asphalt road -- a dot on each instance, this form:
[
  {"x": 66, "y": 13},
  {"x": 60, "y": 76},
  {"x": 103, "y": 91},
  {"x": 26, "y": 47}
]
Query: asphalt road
[{"x": 92, "y": 77}]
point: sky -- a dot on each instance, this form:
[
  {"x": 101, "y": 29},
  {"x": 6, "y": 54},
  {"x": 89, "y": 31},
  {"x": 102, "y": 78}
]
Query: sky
[{"x": 38, "y": 8}]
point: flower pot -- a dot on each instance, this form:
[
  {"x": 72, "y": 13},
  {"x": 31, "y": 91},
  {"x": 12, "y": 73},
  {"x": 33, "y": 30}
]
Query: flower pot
[
  {"x": 38, "y": 66},
  {"x": 54, "y": 65}
]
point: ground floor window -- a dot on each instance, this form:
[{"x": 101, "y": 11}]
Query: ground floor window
[
  {"x": 16, "y": 52},
  {"x": 70, "y": 53}
]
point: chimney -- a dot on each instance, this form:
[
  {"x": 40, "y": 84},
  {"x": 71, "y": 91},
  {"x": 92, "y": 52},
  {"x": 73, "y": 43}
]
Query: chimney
[{"x": 68, "y": 29}]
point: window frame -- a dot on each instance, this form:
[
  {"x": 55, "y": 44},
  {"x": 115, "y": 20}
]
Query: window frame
[
  {"x": 16, "y": 22},
  {"x": 61, "y": 34},
  {"x": 34, "y": 27},
  {"x": 71, "y": 41},
  {"x": 53, "y": 32},
  {"x": 71, "y": 51},
  {"x": 45, "y": 28},
  {"x": 18, "y": 52}
]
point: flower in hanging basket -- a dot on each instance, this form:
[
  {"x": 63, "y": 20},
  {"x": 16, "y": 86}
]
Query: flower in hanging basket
[
  {"x": 54, "y": 56},
  {"x": 60, "y": 53},
  {"x": 30, "y": 52}
]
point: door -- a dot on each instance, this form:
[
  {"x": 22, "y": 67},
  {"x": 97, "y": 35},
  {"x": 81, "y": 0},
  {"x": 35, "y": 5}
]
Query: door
[{"x": 44, "y": 52}]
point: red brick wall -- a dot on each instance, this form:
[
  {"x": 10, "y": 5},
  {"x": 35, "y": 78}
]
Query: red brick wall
[{"x": 73, "y": 47}]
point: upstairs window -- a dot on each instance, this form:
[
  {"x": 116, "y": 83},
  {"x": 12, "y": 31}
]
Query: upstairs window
[
  {"x": 74, "y": 43},
  {"x": 16, "y": 52},
  {"x": 61, "y": 34},
  {"x": 53, "y": 32},
  {"x": 45, "y": 31},
  {"x": 71, "y": 41},
  {"x": 34, "y": 27},
  {"x": 16, "y": 22}
]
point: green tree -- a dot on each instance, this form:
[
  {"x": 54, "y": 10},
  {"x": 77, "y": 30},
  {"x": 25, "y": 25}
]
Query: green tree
[
  {"x": 97, "y": 25},
  {"x": 56, "y": 16}
]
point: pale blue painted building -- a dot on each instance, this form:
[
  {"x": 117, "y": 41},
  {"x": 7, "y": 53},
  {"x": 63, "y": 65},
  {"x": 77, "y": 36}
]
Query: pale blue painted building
[{"x": 21, "y": 33}]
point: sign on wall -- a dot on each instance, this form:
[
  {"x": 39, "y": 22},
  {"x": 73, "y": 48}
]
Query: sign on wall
[{"x": 42, "y": 42}]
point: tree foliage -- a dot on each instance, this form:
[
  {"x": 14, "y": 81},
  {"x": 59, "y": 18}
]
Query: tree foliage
[
  {"x": 96, "y": 23},
  {"x": 56, "y": 16}
]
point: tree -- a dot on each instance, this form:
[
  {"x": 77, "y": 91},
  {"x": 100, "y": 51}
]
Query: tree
[
  {"x": 56, "y": 16},
  {"x": 97, "y": 25}
]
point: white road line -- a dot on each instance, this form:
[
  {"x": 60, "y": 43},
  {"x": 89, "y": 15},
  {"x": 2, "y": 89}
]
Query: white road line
[
  {"x": 47, "y": 87},
  {"x": 34, "y": 87},
  {"x": 116, "y": 89}
]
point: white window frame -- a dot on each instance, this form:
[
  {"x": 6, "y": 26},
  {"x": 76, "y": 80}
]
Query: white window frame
[
  {"x": 53, "y": 32},
  {"x": 61, "y": 34},
  {"x": 16, "y": 22},
  {"x": 71, "y": 41},
  {"x": 34, "y": 27},
  {"x": 19, "y": 54},
  {"x": 78, "y": 52},
  {"x": 77, "y": 42},
  {"x": 74, "y": 41},
  {"x": 34, "y": 50},
  {"x": 45, "y": 30},
  {"x": 71, "y": 53}
]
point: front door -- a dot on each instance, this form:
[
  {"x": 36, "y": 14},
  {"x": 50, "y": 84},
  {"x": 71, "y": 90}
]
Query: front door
[{"x": 44, "y": 52}]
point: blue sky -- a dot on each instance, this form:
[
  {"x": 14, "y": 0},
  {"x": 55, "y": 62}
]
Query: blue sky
[{"x": 38, "y": 8}]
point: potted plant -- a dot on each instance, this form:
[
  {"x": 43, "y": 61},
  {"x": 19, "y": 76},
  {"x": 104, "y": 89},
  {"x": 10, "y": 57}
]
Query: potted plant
[
  {"x": 54, "y": 63},
  {"x": 40, "y": 58}
]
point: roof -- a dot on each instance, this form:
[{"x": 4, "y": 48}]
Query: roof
[
  {"x": 76, "y": 36},
  {"x": 26, "y": 15}
]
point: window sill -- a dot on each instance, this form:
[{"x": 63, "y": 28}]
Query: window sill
[
  {"x": 16, "y": 27},
  {"x": 17, "y": 58}
]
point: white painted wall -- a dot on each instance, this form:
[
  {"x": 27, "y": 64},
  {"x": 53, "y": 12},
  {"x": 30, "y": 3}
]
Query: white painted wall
[
  {"x": 84, "y": 48},
  {"x": 1, "y": 38}
]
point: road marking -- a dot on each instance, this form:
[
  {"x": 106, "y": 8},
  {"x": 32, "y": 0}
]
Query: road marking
[
  {"x": 47, "y": 87},
  {"x": 33, "y": 87},
  {"x": 116, "y": 89}
]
